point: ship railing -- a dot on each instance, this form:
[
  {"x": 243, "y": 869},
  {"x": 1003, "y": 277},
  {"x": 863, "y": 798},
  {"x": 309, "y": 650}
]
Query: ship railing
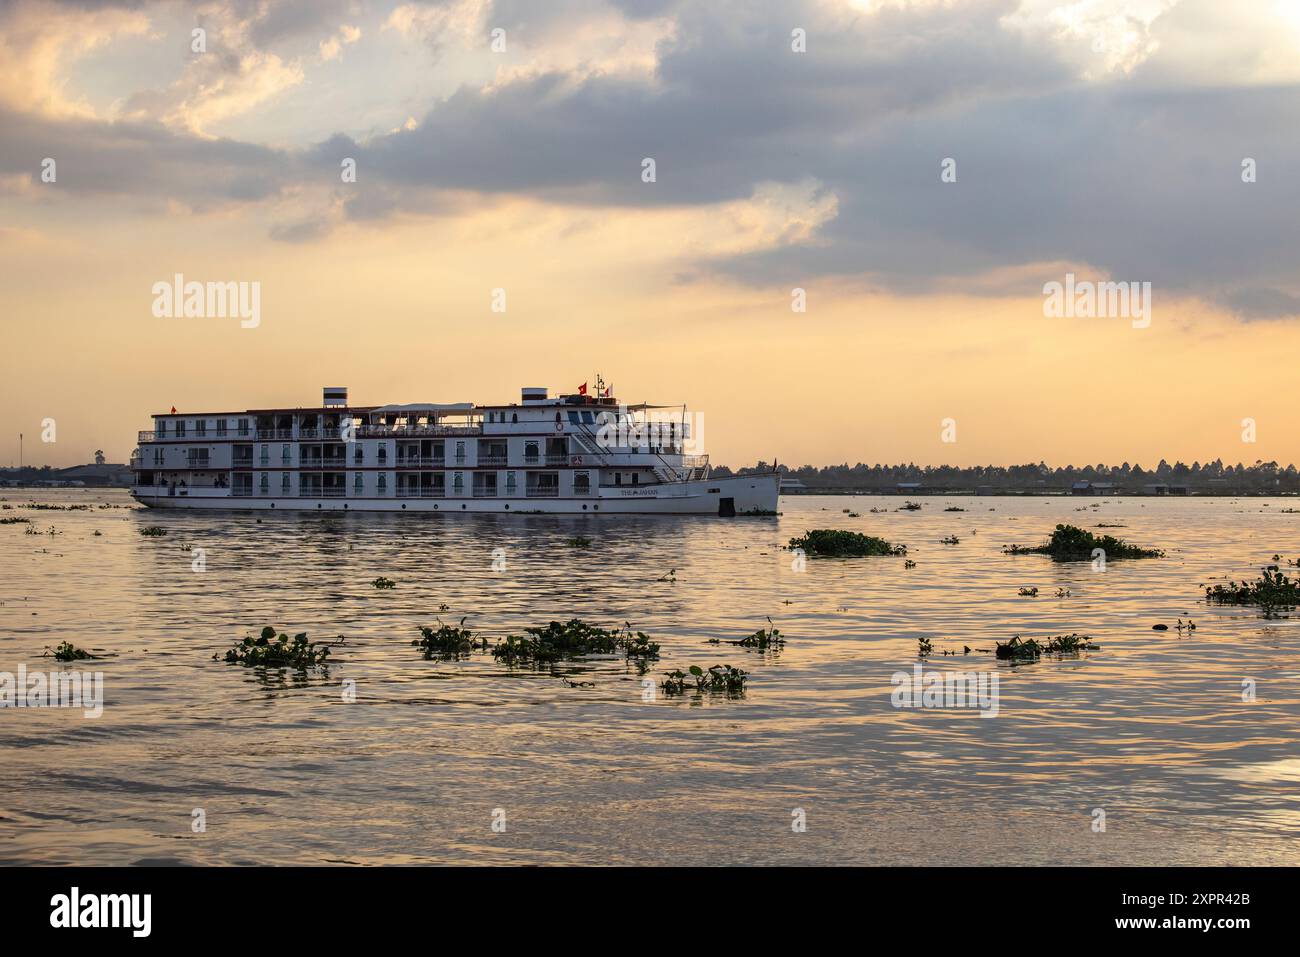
[
  {"x": 147, "y": 436},
  {"x": 485, "y": 491},
  {"x": 543, "y": 491},
  {"x": 415, "y": 431},
  {"x": 493, "y": 460},
  {"x": 582, "y": 490},
  {"x": 333, "y": 492},
  {"x": 431, "y": 492},
  {"x": 241, "y": 492},
  {"x": 557, "y": 459}
]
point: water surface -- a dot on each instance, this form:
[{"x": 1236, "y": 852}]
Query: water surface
[{"x": 1151, "y": 728}]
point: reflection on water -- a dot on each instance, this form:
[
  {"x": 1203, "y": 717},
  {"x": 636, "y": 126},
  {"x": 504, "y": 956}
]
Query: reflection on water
[{"x": 1151, "y": 727}]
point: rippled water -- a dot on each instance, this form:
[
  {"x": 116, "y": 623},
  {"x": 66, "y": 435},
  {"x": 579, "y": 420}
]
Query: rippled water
[{"x": 1151, "y": 727}]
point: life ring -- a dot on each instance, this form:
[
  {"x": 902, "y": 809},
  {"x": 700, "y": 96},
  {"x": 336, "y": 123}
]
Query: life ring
[{"x": 559, "y": 426}]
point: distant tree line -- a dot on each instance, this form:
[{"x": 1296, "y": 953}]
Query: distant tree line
[{"x": 1199, "y": 479}]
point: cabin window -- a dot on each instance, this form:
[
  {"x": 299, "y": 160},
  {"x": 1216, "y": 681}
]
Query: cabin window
[
  {"x": 266, "y": 482},
  {"x": 510, "y": 481},
  {"x": 514, "y": 417},
  {"x": 588, "y": 418},
  {"x": 284, "y": 483},
  {"x": 383, "y": 483},
  {"x": 356, "y": 484},
  {"x": 243, "y": 426},
  {"x": 573, "y": 418},
  {"x": 581, "y": 482},
  {"x": 383, "y": 453},
  {"x": 180, "y": 428},
  {"x": 359, "y": 457},
  {"x": 557, "y": 418},
  {"x": 284, "y": 454},
  {"x": 201, "y": 427},
  {"x": 458, "y": 482}
]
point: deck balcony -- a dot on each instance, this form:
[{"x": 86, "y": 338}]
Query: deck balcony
[{"x": 432, "y": 491}]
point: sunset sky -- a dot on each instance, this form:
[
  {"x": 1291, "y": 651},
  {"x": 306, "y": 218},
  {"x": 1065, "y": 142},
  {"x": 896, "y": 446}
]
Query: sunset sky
[{"x": 1101, "y": 137}]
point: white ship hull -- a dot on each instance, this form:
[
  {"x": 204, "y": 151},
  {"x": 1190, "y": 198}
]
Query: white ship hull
[{"x": 743, "y": 494}]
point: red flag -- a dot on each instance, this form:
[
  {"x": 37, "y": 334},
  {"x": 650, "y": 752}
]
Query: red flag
[
  {"x": 582, "y": 389},
  {"x": 609, "y": 391},
  {"x": 173, "y": 410}
]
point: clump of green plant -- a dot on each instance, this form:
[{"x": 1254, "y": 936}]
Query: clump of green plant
[
  {"x": 1273, "y": 589},
  {"x": 278, "y": 651},
  {"x": 1070, "y": 543},
  {"x": 573, "y": 639},
  {"x": 15, "y": 521},
  {"x": 153, "y": 531},
  {"x": 763, "y": 639},
  {"x": 1031, "y": 650},
  {"x": 910, "y": 507},
  {"x": 70, "y": 652},
  {"x": 447, "y": 640},
  {"x": 722, "y": 678},
  {"x": 951, "y": 540},
  {"x": 837, "y": 543},
  {"x": 578, "y": 541},
  {"x": 1029, "y": 592},
  {"x": 924, "y": 648},
  {"x": 382, "y": 582},
  {"x": 954, "y": 508}
]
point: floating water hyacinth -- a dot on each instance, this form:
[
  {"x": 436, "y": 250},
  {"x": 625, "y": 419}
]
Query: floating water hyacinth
[
  {"x": 1071, "y": 543},
  {"x": 447, "y": 641},
  {"x": 1018, "y": 649},
  {"x": 1272, "y": 589},
  {"x": 153, "y": 531},
  {"x": 382, "y": 582},
  {"x": 837, "y": 543},
  {"x": 278, "y": 651},
  {"x": 573, "y": 639},
  {"x": 723, "y": 678},
  {"x": 69, "y": 652}
]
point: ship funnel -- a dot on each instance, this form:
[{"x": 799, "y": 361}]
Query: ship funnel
[
  {"x": 335, "y": 395},
  {"x": 534, "y": 394}
]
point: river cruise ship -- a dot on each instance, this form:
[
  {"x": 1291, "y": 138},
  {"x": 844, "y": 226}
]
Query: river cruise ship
[{"x": 568, "y": 453}]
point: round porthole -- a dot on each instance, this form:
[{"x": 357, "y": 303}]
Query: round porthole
[
  {"x": 462, "y": 504},
  {"x": 595, "y": 508},
  {"x": 435, "y": 507},
  {"x": 318, "y": 504},
  {"x": 403, "y": 505},
  {"x": 584, "y": 508},
  {"x": 272, "y": 505},
  {"x": 345, "y": 507},
  {"x": 507, "y": 506}
]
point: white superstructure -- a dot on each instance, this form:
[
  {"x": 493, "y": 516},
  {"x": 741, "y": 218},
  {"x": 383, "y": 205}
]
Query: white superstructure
[{"x": 570, "y": 453}]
